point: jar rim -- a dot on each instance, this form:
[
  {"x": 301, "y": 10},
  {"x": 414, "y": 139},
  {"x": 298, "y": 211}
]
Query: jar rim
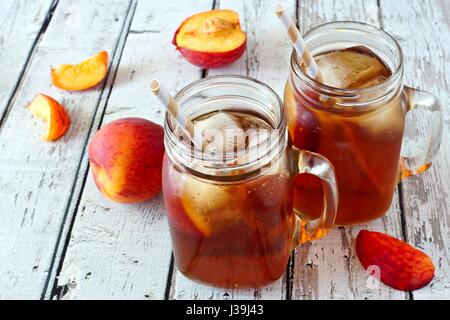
[
  {"x": 392, "y": 81},
  {"x": 195, "y": 83},
  {"x": 184, "y": 152}
]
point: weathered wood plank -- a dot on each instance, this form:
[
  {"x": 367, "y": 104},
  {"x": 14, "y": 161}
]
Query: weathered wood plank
[
  {"x": 20, "y": 26},
  {"x": 423, "y": 30},
  {"x": 37, "y": 177},
  {"x": 124, "y": 251},
  {"x": 53, "y": 292},
  {"x": 328, "y": 268},
  {"x": 267, "y": 59},
  {"x": 119, "y": 251}
]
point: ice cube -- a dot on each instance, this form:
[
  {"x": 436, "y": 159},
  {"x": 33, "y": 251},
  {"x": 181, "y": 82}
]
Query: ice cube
[
  {"x": 352, "y": 68},
  {"x": 385, "y": 123},
  {"x": 221, "y": 133},
  {"x": 204, "y": 195},
  {"x": 211, "y": 207},
  {"x": 255, "y": 137}
]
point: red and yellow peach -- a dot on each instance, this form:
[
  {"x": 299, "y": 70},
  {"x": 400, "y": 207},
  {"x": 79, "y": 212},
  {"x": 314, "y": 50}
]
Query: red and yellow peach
[
  {"x": 211, "y": 39},
  {"x": 126, "y": 159}
]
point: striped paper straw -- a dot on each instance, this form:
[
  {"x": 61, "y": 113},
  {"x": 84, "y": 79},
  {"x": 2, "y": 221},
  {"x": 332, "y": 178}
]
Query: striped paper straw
[
  {"x": 172, "y": 107},
  {"x": 299, "y": 44}
]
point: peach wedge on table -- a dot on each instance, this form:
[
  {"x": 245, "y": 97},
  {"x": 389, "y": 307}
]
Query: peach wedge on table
[
  {"x": 211, "y": 39},
  {"x": 82, "y": 76},
  {"x": 57, "y": 118}
]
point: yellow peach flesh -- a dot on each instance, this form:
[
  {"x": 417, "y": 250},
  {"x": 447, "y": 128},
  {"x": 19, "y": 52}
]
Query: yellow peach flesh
[
  {"x": 211, "y": 31},
  {"x": 82, "y": 76}
]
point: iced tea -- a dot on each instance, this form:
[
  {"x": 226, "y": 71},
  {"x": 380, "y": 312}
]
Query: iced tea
[
  {"x": 363, "y": 143},
  {"x": 229, "y": 197},
  {"x": 230, "y": 233}
]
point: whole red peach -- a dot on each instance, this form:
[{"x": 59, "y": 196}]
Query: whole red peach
[{"x": 126, "y": 159}]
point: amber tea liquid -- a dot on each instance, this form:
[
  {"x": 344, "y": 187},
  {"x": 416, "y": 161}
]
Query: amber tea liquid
[
  {"x": 363, "y": 147},
  {"x": 230, "y": 234}
]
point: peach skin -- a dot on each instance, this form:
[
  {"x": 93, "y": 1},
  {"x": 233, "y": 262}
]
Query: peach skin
[
  {"x": 57, "y": 118},
  {"x": 126, "y": 159},
  {"x": 211, "y": 39}
]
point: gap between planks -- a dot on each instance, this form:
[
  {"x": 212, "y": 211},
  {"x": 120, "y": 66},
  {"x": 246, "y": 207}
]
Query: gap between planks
[
  {"x": 290, "y": 269},
  {"x": 28, "y": 59},
  {"x": 51, "y": 290},
  {"x": 399, "y": 187},
  {"x": 82, "y": 174}
]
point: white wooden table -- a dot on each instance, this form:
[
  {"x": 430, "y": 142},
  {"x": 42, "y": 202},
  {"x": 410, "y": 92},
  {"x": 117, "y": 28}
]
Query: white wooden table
[{"x": 59, "y": 238}]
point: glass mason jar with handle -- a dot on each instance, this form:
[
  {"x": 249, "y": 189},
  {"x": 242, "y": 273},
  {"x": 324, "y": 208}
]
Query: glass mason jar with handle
[
  {"x": 230, "y": 211},
  {"x": 360, "y": 130}
]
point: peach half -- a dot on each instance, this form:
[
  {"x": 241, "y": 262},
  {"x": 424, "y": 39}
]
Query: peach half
[
  {"x": 211, "y": 39},
  {"x": 126, "y": 159},
  {"x": 57, "y": 118},
  {"x": 82, "y": 76}
]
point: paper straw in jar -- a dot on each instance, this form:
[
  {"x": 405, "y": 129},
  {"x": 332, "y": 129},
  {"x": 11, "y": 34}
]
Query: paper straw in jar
[
  {"x": 314, "y": 72},
  {"x": 172, "y": 107},
  {"x": 299, "y": 44}
]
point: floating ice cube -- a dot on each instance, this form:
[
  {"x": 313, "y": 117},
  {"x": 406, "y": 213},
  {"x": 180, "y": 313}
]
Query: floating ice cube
[
  {"x": 213, "y": 208},
  {"x": 204, "y": 195},
  {"x": 353, "y": 68},
  {"x": 385, "y": 123},
  {"x": 255, "y": 137},
  {"x": 221, "y": 133}
]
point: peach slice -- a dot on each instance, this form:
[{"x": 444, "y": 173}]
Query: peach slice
[
  {"x": 176, "y": 211},
  {"x": 82, "y": 76},
  {"x": 57, "y": 118},
  {"x": 197, "y": 219},
  {"x": 211, "y": 39}
]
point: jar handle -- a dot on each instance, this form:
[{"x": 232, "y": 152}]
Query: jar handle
[
  {"x": 421, "y": 100},
  {"x": 319, "y": 166}
]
